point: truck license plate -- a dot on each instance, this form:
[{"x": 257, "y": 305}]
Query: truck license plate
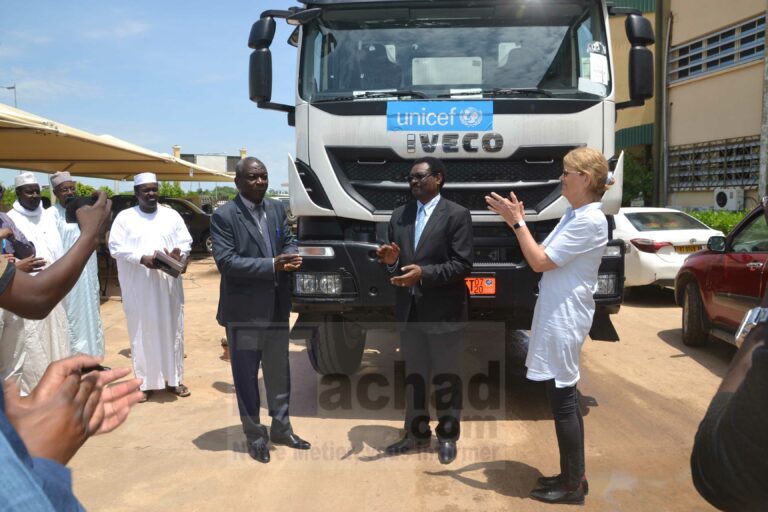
[{"x": 481, "y": 285}]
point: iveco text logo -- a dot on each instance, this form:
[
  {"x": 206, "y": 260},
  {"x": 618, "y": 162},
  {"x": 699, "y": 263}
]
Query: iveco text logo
[{"x": 451, "y": 142}]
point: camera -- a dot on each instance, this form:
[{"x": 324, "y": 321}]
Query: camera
[{"x": 75, "y": 203}]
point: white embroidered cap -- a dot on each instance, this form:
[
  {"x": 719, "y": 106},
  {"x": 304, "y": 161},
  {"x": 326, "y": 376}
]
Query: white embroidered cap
[
  {"x": 59, "y": 178},
  {"x": 145, "y": 177},
  {"x": 25, "y": 178}
]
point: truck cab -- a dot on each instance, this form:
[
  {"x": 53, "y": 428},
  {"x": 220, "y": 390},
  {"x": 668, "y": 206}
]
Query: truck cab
[{"x": 499, "y": 90}]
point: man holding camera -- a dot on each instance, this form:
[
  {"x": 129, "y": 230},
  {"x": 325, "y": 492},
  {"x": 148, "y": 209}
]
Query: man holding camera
[
  {"x": 41, "y": 341},
  {"x": 86, "y": 335}
]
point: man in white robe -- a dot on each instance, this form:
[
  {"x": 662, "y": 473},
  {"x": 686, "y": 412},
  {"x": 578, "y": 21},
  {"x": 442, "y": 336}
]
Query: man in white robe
[
  {"x": 47, "y": 340},
  {"x": 82, "y": 304},
  {"x": 153, "y": 301}
]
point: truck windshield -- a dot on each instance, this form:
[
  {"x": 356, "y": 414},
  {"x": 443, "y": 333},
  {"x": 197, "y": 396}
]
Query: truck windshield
[{"x": 428, "y": 50}]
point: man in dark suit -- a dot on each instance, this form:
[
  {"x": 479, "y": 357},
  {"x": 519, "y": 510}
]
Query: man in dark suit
[
  {"x": 254, "y": 250},
  {"x": 429, "y": 254}
]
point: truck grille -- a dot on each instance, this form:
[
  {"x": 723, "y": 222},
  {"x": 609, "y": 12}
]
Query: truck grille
[{"x": 375, "y": 177}]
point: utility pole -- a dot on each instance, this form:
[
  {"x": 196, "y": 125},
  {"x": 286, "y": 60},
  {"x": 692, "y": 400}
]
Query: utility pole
[{"x": 762, "y": 187}]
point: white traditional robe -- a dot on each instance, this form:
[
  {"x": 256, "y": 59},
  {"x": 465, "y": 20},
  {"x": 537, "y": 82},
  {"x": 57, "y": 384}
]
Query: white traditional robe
[
  {"x": 153, "y": 301},
  {"x": 86, "y": 335},
  {"x": 40, "y": 342}
]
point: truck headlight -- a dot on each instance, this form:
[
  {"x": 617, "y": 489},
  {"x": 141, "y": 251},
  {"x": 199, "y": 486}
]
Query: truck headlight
[
  {"x": 317, "y": 283},
  {"x": 607, "y": 284}
]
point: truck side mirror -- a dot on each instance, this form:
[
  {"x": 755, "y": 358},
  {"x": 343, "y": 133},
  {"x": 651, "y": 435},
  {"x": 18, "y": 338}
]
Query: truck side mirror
[
  {"x": 260, "y": 76},
  {"x": 262, "y": 33},
  {"x": 640, "y": 35},
  {"x": 640, "y": 73},
  {"x": 639, "y": 30}
]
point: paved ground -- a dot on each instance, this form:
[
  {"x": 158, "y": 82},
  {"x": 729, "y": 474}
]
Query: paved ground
[{"x": 642, "y": 399}]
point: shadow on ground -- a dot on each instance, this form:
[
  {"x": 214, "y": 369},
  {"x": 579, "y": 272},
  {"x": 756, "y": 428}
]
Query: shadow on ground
[
  {"x": 715, "y": 356},
  {"x": 506, "y": 477}
]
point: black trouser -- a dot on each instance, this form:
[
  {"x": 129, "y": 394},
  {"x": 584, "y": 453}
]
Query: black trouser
[
  {"x": 432, "y": 359},
  {"x": 251, "y": 346},
  {"x": 569, "y": 427}
]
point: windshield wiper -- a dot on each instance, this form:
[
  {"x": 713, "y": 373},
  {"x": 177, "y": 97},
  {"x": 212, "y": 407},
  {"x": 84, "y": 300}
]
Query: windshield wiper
[
  {"x": 502, "y": 91},
  {"x": 376, "y": 94}
]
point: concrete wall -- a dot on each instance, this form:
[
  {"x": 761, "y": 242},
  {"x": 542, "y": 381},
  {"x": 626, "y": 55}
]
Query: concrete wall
[
  {"x": 695, "y": 18},
  {"x": 720, "y": 106}
]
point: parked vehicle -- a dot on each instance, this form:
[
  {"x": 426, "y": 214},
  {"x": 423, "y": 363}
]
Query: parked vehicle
[
  {"x": 717, "y": 286},
  {"x": 657, "y": 242},
  {"x": 198, "y": 222}
]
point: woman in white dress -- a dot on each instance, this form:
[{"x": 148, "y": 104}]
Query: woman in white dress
[{"x": 569, "y": 259}]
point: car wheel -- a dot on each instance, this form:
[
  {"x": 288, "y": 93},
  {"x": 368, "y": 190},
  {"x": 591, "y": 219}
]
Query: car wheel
[
  {"x": 208, "y": 243},
  {"x": 695, "y": 323}
]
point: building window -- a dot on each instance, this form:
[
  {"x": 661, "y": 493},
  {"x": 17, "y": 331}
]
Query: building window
[
  {"x": 729, "y": 47},
  {"x": 707, "y": 165}
]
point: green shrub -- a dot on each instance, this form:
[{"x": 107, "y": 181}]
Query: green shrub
[{"x": 721, "y": 220}]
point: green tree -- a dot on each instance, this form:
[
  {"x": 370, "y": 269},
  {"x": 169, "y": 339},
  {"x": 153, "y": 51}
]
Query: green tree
[
  {"x": 83, "y": 190},
  {"x": 108, "y": 190},
  {"x": 638, "y": 179},
  {"x": 171, "y": 189}
]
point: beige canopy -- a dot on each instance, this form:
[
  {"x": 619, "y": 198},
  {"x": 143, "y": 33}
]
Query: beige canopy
[{"x": 33, "y": 143}]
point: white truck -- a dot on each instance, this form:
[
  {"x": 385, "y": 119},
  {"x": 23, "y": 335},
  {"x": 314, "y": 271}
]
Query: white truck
[{"x": 500, "y": 90}]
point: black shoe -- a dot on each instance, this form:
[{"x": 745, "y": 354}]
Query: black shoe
[
  {"x": 559, "y": 493},
  {"x": 290, "y": 440},
  {"x": 446, "y": 451},
  {"x": 259, "y": 450},
  {"x": 551, "y": 481},
  {"x": 407, "y": 444}
]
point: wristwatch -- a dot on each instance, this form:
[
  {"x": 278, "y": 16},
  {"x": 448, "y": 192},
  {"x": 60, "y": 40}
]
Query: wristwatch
[
  {"x": 517, "y": 225},
  {"x": 753, "y": 317}
]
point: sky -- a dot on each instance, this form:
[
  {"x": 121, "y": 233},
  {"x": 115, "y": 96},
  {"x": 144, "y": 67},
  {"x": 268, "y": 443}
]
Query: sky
[{"x": 154, "y": 73}]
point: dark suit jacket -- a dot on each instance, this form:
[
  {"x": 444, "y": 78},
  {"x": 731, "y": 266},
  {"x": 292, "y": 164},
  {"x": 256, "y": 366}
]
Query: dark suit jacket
[
  {"x": 445, "y": 255},
  {"x": 247, "y": 289}
]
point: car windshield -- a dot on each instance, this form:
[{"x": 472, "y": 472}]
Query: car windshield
[
  {"x": 493, "y": 49},
  {"x": 663, "y": 221}
]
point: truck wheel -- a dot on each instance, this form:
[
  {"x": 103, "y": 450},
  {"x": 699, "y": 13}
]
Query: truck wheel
[
  {"x": 336, "y": 346},
  {"x": 207, "y": 243},
  {"x": 695, "y": 324}
]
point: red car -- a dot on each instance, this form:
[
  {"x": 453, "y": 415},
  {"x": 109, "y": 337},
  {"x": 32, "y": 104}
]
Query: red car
[{"x": 718, "y": 285}]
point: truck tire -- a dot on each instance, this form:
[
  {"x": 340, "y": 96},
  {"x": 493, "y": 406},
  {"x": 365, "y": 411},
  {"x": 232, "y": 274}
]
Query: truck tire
[
  {"x": 335, "y": 346},
  {"x": 695, "y": 323}
]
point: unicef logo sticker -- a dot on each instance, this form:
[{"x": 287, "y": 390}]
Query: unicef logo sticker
[{"x": 471, "y": 117}]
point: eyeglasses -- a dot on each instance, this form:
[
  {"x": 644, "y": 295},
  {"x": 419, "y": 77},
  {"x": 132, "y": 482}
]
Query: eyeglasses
[
  {"x": 417, "y": 178},
  {"x": 566, "y": 172}
]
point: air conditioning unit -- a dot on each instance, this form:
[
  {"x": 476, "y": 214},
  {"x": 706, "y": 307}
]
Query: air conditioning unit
[{"x": 729, "y": 199}]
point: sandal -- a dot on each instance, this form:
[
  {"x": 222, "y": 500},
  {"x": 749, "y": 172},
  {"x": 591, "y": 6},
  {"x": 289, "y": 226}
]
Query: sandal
[
  {"x": 180, "y": 390},
  {"x": 146, "y": 396}
]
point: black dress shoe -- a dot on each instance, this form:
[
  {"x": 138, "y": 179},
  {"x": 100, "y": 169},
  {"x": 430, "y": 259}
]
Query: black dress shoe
[
  {"x": 559, "y": 493},
  {"x": 407, "y": 444},
  {"x": 551, "y": 481},
  {"x": 290, "y": 440},
  {"x": 446, "y": 452},
  {"x": 259, "y": 450}
]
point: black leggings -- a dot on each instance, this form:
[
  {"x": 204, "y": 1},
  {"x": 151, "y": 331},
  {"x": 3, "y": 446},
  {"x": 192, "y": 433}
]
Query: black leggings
[{"x": 569, "y": 427}]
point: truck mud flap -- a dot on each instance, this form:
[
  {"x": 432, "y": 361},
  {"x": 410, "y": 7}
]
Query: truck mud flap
[{"x": 602, "y": 327}]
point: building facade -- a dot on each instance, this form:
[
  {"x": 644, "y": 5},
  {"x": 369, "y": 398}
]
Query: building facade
[{"x": 713, "y": 103}]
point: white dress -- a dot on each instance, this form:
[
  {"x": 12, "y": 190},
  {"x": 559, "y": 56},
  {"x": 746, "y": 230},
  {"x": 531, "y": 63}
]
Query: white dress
[
  {"x": 153, "y": 301},
  {"x": 40, "y": 342},
  {"x": 563, "y": 314},
  {"x": 83, "y": 302}
]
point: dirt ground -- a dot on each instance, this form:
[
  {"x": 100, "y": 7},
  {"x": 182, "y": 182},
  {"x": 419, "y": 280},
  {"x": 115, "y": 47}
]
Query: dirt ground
[{"x": 642, "y": 398}]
